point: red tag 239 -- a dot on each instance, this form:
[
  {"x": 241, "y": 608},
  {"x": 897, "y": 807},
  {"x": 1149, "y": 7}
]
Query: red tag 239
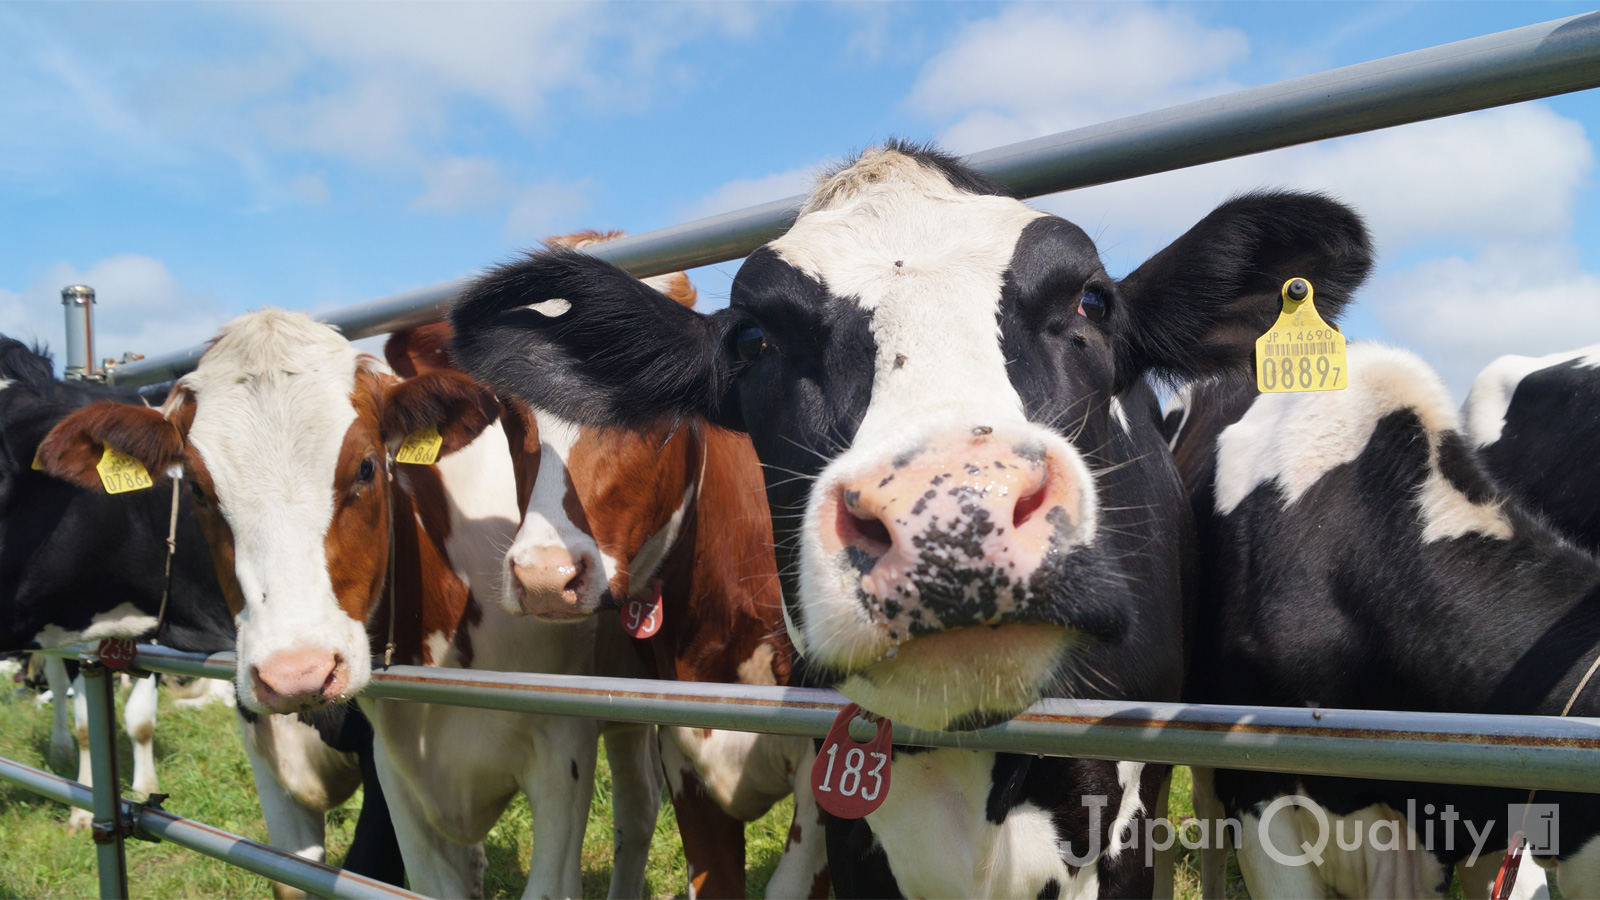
[
  {"x": 849, "y": 779},
  {"x": 116, "y": 653}
]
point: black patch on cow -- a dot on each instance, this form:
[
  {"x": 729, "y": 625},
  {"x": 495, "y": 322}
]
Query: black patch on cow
[
  {"x": 1051, "y": 890},
  {"x": 1005, "y": 784}
]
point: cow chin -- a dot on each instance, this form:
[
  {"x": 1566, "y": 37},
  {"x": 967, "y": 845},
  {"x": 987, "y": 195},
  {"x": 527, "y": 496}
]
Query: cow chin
[{"x": 962, "y": 679}]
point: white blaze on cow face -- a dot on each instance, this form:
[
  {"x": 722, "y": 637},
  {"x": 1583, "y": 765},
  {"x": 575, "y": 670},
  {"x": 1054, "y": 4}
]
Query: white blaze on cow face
[
  {"x": 272, "y": 407},
  {"x": 1293, "y": 440},
  {"x": 947, "y": 486}
]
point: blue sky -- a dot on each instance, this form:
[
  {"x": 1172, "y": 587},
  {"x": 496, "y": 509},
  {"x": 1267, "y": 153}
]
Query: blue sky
[{"x": 195, "y": 161}]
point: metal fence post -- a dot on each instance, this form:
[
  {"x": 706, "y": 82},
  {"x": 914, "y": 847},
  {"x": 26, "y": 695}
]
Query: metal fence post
[
  {"x": 108, "y": 827},
  {"x": 78, "y": 302}
]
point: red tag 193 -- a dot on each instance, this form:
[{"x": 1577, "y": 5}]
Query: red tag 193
[
  {"x": 641, "y": 616},
  {"x": 849, "y": 779},
  {"x": 1506, "y": 878},
  {"x": 116, "y": 653}
]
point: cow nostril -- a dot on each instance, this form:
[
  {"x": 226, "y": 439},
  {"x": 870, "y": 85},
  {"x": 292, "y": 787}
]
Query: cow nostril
[
  {"x": 575, "y": 583},
  {"x": 867, "y": 533},
  {"x": 1027, "y": 506}
]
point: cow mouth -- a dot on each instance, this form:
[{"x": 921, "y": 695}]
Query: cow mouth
[{"x": 964, "y": 678}]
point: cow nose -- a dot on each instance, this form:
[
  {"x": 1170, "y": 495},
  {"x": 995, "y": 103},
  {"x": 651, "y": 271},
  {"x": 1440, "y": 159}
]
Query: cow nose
[
  {"x": 550, "y": 582},
  {"x": 296, "y": 680},
  {"x": 955, "y": 533}
]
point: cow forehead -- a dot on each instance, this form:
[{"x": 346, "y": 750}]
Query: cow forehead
[
  {"x": 272, "y": 405},
  {"x": 928, "y": 262}
]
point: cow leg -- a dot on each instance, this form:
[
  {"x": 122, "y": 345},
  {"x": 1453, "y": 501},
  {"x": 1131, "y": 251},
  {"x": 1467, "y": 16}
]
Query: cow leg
[
  {"x": 856, "y": 861},
  {"x": 1267, "y": 879},
  {"x": 562, "y": 783},
  {"x": 139, "y": 718},
  {"x": 1477, "y": 879},
  {"x": 290, "y": 825},
  {"x": 1209, "y": 811},
  {"x": 62, "y": 742},
  {"x": 374, "y": 848},
  {"x": 81, "y": 818},
  {"x": 803, "y": 869},
  {"x": 436, "y": 865},
  {"x": 1166, "y": 860},
  {"x": 713, "y": 841},
  {"x": 635, "y": 803}
]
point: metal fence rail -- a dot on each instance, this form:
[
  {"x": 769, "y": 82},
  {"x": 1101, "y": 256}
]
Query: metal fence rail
[{"x": 1526, "y": 63}]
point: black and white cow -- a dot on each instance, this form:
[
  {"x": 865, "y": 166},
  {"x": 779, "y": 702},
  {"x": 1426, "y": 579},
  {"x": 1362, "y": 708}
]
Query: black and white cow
[
  {"x": 79, "y": 565},
  {"x": 973, "y": 506},
  {"x": 1536, "y": 424},
  {"x": 1354, "y": 554}
]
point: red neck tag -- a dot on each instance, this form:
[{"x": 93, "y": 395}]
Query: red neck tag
[
  {"x": 1506, "y": 878},
  {"x": 641, "y": 616},
  {"x": 116, "y": 653},
  {"x": 849, "y": 779}
]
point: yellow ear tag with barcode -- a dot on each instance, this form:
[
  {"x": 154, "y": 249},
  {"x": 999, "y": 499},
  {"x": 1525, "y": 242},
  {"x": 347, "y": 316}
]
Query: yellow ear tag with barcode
[
  {"x": 421, "y": 447},
  {"x": 1300, "y": 352},
  {"x": 121, "y": 473}
]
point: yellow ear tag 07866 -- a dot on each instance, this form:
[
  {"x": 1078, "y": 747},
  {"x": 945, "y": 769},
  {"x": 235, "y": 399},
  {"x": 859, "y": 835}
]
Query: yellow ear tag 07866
[
  {"x": 421, "y": 447},
  {"x": 121, "y": 473},
  {"x": 1300, "y": 352}
]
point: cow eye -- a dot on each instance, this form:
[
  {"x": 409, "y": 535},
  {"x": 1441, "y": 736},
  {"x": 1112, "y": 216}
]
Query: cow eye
[
  {"x": 750, "y": 343},
  {"x": 200, "y": 498},
  {"x": 367, "y": 472},
  {"x": 1092, "y": 305}
]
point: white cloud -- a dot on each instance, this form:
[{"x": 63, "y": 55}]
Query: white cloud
[
  {"x": 544, "y": 210},
  {"x": 140, "y": 306},
  {"x": 743, "y": 192},
  {"x": 1462, "y": 313},
  {"x": 462, "y": 183},
  {"x": 1038, "y": 69}
]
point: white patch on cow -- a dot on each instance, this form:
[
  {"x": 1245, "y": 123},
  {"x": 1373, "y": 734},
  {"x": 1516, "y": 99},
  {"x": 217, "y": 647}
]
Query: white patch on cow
[
  {"x": 1294, "y": 439},
  {"x": 272, "y": 407},
  {"x": 1387, "y": 861},
  {"x": 1180, "y": 404},
  {"x": 121, "y": 621},
  {"x": 1131, "y": 805},
  {"x": 1490, "y": 397},
  {"x": 1577, "y": 875},
  {"x": 939, "y": 843},
  {"x": 545, "y": 522},
  {"x": 758, "y": 668},
  {"x": 5, "y": 383},
  {"x": 1119, "y": 415},
  {"x": 438, "y": 647},
  {"x": 928, "y": 262},
  {"x": 656, "y": 547}
]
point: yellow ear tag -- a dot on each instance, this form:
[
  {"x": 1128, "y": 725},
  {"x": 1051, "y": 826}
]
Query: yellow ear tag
[
  {"x": 1300, "y": 352},
  {"x": 37, "y": 466},
  {"x": 121, "y": 473},
  {"x": 421, "y": 448}
]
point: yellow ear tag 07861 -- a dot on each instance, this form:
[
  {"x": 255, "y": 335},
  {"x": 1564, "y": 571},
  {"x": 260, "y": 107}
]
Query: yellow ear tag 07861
[
  {"x": 121, "y": 473},
  {"x": 1300, "y": 352},
  {"x": 421, "y": 447}
]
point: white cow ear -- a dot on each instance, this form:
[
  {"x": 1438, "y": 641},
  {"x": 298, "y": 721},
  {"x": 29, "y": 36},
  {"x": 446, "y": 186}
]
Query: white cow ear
[{"x": 1196, "y": 308}]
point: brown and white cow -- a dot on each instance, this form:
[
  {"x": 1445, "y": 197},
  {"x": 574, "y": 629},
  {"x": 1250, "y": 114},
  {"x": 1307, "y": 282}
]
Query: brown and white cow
[
  {"x": 612, "y": 515},
  {"x": 284, "y": 432}
]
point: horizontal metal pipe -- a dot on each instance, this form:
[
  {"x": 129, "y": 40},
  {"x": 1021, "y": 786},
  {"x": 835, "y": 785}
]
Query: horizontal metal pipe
[
  {"x": 213, "y": 842},
  {"x": 1506, "y": 67},
  {"x": 1542, "y": 752}
]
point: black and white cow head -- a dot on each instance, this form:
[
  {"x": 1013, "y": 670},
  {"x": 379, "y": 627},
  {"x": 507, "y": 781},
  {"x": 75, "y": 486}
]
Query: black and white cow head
[{"x": 929, "y": 370}]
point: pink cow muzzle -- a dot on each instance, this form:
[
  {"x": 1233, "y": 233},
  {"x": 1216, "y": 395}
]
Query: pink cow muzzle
[
  {"x": 296, "y": 680},
  {"x": 970, "y": 530}
]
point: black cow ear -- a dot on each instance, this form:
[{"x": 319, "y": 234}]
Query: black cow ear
[
  {"x": 1196, "y": 308},
  {"x": 581, "y": 338}
]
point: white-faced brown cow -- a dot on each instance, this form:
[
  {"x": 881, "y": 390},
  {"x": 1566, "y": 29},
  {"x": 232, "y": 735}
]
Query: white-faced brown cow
[
  {"x": 284, "y": 432},
  {"x": 1356, "y": 555},
  {"x": 678, "y": 511},
  {"x": 971, "y": 498}
]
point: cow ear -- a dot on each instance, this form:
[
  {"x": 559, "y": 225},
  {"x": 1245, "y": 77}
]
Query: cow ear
[
  {"x": 458, "y": 406},
  {"x": 598, "y": 346},
  {"x": 1196, "y": 308},
  {"x": 73, "y": 449}
]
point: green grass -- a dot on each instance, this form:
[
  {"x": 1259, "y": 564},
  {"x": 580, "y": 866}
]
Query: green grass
[{"x": 203, "y": 767}]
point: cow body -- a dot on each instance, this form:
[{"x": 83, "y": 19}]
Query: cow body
[
  {"x": 1536, "y": 424},
  {"x": 972, "y": 504},
  {"x": 284, "y": 433},
  {"x": 63, "y": 548},
  {"x": 1355, "y": 555}
]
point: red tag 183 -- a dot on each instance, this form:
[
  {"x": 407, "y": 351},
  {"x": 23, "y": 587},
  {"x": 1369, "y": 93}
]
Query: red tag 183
[
  {"x": 641, "y": 616},
  {"x": 116, "y": 653},
  {"x": 849, "y": 779}
]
